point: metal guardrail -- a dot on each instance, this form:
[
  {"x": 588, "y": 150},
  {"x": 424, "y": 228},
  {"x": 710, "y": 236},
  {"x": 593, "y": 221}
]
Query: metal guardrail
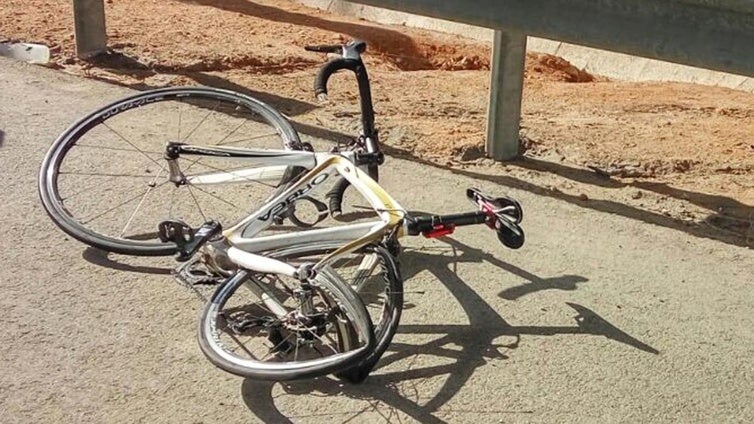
[
  {"x": 712, "y": 34},
  {"x": 89, "y": 23}
]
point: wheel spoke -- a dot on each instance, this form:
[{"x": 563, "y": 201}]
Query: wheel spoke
[
  {"x": 197, "y": 203},
  {"x": 243, "y": 122},
  {"x": 332, "y": 342},
  {"x": 131, "y": 144},
  {"x": 240, "y": 344},
  {"x": 256, "y": 137},
  {"x": 277, "y": 346},
  {"x": 180, "y": 109},
  {"x": 202, "y": 121},
  {"x": 193, "y": 162},
  {"x": 133, "y": 214},
  {"x": 318, "y": 351},
  {"x": 321, "y": 340},
  {"x": 216, "y": 197},
  {"x": 120, "y": 204},
  {"x": 119, "y": 149},
  {"x": 86, "y": 189}
]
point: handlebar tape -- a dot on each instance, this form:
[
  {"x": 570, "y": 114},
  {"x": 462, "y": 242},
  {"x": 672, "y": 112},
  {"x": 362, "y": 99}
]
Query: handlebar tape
[
  {"x": 335, "y": 196},
  {"x": 329, "y": 68}
]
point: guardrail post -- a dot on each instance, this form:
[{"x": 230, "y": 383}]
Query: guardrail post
[
  {"x": 506, "y": 89},
  {"x": 89, "y": 23}
]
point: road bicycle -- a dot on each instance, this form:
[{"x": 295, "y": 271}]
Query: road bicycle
[{"x": 289, "y": 304}]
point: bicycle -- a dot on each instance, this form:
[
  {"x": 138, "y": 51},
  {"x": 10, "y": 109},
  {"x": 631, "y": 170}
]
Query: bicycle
[{"x": 308, "y": 319}]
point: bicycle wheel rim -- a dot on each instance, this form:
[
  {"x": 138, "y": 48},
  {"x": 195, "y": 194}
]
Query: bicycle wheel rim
[
  {"x": 243, "y": 362},
  {"x": 50, "y": 172},
  {"x": 380, "y": 288}
]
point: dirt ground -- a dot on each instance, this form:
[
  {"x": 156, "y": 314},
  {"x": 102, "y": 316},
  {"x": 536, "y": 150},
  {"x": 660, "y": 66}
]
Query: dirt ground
[{"x": 680, "y": 155}]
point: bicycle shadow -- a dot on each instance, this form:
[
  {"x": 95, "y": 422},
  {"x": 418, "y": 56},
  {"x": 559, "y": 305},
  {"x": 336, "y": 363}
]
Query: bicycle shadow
[{"x": 461, "y": 348}]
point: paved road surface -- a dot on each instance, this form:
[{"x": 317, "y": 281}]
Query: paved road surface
[{"x": 599, "y": 318}]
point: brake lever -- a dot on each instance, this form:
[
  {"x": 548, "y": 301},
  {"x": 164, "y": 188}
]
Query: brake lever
[{"x": 509, "y": 232}]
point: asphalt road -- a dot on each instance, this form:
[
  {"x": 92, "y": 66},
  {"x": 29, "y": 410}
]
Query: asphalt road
[{"x": 599, "y": 318}]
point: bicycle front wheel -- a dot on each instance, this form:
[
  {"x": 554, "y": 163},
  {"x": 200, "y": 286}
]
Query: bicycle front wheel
[
  {"x": 374, "y": 274},
  {"x": 273, "y": 327},
  {"x": 105, "y": 180}
]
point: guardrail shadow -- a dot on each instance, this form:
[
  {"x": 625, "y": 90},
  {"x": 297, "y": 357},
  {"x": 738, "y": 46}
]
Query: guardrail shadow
[
  {"x": 466, "y": 347},
  {"x": 287, "y": 105},
  {"x": 736, "y": 217},
  {"x": 728, "y": 229}
]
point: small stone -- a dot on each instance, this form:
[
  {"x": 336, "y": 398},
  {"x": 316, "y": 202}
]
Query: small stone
[
  {"x": 637, "y": 194},
  {"x": 472, "y": 153},
  {"x": 583, "y": 196}
]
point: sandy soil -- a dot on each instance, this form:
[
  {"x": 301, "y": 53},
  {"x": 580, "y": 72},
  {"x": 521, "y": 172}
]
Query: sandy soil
[{"x": 671, "y": 150}]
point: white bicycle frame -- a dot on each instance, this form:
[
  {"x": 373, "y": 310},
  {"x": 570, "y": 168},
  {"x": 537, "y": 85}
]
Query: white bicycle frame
[{"x": 245, "y": 247}]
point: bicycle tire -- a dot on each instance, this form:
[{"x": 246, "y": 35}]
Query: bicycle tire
[
  {"x": 385, "y": 320},
  {"x": 88, "y": 133},
  {"x": 342, "y": 308},
  {"x": 390, "y": 317}
]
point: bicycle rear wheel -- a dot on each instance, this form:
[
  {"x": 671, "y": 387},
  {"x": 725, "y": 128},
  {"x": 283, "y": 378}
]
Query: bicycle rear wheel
[
  {"x": 372, "y": 273},
  {"x": 105, "y": 181}
]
